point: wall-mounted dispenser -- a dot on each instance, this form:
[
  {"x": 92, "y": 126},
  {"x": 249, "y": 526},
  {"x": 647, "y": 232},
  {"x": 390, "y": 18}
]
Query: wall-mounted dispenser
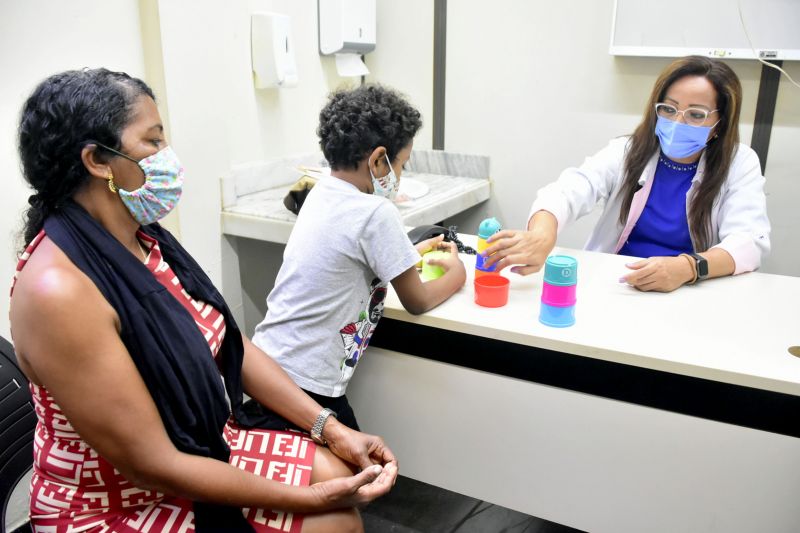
[
  {"x": 272, "y": 51},
  {"x": 347, "y": 29}
]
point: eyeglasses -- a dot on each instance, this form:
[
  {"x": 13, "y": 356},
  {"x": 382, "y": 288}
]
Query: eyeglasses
[{"x": 693, "y": 116}]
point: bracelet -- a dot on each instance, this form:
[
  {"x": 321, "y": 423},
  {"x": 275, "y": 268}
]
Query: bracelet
[
  {"x": 319, "y": 423},
  {"x": 693, "y": 263}
]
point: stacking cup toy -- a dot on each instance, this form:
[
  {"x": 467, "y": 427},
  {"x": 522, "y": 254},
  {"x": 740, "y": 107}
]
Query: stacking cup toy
[
  {"x": 430, "y": 272},
  {"x": 558, "y": 291},
  {"x": 558, "y": 295},
  {"x": 491, "y": 290},
  {"x": 488, "y": 227}
]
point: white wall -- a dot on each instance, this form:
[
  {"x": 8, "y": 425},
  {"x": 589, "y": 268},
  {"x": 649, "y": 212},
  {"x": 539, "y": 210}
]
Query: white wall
[
  {"x": 532, "y": 85},
  {"x": 218, "y": 119},
  {"x": 587, "y": 462},
  {"x": 403, "y": 57},
  {"x": 782, "y": 173},
  {"x": 39, "y": 38}
]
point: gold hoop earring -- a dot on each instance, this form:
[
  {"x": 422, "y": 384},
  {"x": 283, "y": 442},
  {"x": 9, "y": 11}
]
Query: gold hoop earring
[{"x": 111, "y": 185}]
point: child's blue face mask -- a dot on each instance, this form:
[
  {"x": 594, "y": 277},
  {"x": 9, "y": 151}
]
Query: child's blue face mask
[
  {"x": 387, "y": 185},
  {"x": 679, "y": 140}
]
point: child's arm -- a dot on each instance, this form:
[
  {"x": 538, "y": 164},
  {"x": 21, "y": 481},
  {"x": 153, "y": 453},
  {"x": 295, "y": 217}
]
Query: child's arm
[{"x": 418, "y": 297}]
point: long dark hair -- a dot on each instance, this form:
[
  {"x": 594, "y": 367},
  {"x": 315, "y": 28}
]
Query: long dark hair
[
  {"x": 64, "y": 113},
  {"x": 719, "y": 151}
]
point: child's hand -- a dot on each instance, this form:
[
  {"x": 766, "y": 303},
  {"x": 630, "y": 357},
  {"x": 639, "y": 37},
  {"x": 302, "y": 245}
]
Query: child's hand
[
  {"x": 429, "y": 244},
  {"x": 451, "y": 263}
]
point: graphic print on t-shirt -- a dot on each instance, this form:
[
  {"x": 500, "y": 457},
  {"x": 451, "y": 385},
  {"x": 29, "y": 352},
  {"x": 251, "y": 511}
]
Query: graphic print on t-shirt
[{"x": 356, "y": 335}]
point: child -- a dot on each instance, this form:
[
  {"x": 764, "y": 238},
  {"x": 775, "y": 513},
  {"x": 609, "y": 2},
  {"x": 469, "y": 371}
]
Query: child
[{"x": 347, "y": 244}]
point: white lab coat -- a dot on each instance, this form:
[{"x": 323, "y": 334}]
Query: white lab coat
[{"x": 739, "y": 220}]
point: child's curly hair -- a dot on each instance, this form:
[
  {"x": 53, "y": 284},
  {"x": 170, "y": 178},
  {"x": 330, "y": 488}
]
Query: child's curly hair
[{"x": 356, "y": 121}]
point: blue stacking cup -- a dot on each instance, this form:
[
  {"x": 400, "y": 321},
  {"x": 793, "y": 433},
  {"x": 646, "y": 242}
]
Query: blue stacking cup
[
  {"x": 480, "y": 259},
  {"x": 488, "y": 227},
  {"x": 560, "y": 276},
  {"x": 557, "y": 317}
]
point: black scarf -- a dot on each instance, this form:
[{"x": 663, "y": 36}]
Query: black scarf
[{"x": 164, "y": 342}]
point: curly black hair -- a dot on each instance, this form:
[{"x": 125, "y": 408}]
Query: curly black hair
[
  {"x": 64, "y": 113},
  {"x": 356, "y": 121}
]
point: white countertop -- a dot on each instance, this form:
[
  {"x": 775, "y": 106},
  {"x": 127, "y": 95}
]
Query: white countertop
[
  {"x": 261, "y": 215},
  {"x": 734, "y": 330}
]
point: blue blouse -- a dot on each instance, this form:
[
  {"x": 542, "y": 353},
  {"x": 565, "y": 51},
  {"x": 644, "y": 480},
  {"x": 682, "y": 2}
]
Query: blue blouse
[{"x": 662, "y": 228}]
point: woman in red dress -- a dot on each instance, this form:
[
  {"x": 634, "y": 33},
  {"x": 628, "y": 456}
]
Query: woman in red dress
[{"x": 131, "y": 352}]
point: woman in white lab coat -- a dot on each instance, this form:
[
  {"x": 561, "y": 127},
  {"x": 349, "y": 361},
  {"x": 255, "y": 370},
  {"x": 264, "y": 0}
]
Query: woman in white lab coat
[{"x": 682, "y": 192}]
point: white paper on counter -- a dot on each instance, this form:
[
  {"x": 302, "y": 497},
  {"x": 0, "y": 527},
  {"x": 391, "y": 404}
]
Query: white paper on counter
[
  {"x": 350, "y": 65},
  {"x": 412, "y": 188}
]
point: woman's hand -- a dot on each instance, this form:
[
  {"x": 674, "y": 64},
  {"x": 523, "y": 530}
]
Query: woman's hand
[
  {"x": 661, "y": 274},
  {"x": 355, "y": 491},
  {"x": 526, "y": 249},
  {"x": 367, "y": 452},
  {"x": 354, "y": 447}
]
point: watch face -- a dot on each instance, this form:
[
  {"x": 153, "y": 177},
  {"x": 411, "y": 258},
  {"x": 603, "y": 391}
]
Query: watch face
[{"x": 702, "y": 266}]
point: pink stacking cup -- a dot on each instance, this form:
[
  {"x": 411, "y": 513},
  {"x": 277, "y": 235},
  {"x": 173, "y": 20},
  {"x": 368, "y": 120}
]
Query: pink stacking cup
[{"x": 558, "y": 295}]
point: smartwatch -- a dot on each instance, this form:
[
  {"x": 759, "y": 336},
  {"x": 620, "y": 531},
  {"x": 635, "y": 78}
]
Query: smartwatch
[
  {"x": 700, "y": 265},
  {"x": 319, "y": 423}
]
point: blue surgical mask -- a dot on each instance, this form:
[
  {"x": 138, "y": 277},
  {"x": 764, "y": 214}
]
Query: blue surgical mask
[
  {"x": 679, "y": 140},
  {"x": 387, "y": 185}
]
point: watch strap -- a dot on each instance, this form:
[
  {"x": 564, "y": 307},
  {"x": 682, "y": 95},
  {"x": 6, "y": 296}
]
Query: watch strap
[
  {"x": 319, "y": 424},
  {"x": 701, "y": 266}
]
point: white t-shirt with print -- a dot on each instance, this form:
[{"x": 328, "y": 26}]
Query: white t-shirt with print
[{"x": 328, "y": 297}]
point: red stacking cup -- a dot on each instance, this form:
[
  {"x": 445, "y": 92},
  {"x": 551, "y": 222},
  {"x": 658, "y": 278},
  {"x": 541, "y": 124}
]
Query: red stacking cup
[{"x": 491, "y": 290}]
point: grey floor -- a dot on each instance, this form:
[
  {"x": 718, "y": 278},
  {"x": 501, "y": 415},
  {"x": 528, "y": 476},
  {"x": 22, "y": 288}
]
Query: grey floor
[
  {"x": 17, "y": 510},
  {"x": 416, "y": 507}
]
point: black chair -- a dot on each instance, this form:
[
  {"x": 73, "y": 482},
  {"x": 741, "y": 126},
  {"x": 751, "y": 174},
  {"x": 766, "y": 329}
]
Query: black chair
[{"x": 17, "y": 424}]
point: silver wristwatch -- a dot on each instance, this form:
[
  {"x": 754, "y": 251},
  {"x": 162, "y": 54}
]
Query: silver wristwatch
[{"x": 319, "y": 423}]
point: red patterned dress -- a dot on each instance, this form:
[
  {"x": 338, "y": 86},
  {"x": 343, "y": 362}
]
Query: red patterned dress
[{"x": 75, "y": 489}]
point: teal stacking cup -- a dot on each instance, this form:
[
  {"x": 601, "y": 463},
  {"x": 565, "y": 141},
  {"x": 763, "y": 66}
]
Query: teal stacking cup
[
  {"x": 559, "y": 291},
  {"x": 561, "y": 270}
]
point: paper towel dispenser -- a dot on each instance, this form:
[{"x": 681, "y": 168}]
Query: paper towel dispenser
[
  {"x": 272, "y": 51},
  {"x": 346, "y": 26}
]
